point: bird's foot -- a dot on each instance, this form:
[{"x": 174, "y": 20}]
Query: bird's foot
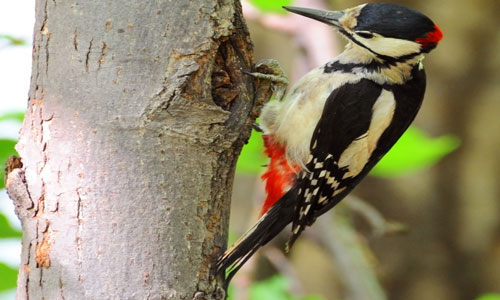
[
  {"x": 256, "y": 127},
  {"x": 270, "y": 70}
]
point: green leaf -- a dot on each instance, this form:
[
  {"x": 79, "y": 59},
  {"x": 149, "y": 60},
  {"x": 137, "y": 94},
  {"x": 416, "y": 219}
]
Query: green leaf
[
  {"x": 13, "y": 40},
  {"x": 489, "y": 297},
  {"x": 8, "y": 276},
  {"x": 231, "y": 237},
  {"x": 414, "y": 151},
  {"x": 7, "y": 231},
  {"x": 252, "y": 158},
  {"x": 271, "y": 5},
  {"x": 274, "y": 288},
  {"x": 6, "y": 150},
  {"x": 12, "y": 116},
  {"x": 230, "y": 292},
  {"x": 312, "y": 298}
]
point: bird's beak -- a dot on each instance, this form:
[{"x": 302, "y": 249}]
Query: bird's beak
[{"x": 325, "y": 16}]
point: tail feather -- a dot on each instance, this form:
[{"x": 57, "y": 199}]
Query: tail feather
[{"x": 268, "y": 226}]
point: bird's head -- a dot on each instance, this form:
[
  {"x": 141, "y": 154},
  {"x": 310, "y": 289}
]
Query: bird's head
[{"x": 388, "y": 31}]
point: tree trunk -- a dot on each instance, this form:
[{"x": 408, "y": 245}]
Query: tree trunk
[{"x": 137, "y": 112}]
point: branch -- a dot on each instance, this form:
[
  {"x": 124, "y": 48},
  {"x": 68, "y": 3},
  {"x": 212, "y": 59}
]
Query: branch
[
  {"x": 380, "y": 225},
  {"x": 350, "y": 253}
]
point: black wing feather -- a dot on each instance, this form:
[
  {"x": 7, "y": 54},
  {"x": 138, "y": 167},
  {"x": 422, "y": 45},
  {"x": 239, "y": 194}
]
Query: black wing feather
[{"x": 346, "y": 116}]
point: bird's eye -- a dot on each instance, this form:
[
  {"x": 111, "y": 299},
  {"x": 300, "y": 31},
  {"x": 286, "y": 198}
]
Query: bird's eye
[{"x": 365, "y": 34}]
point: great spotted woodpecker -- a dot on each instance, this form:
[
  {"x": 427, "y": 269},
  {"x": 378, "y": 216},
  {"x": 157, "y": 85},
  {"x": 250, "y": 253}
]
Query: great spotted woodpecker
[{"x": 339, "y": 120}]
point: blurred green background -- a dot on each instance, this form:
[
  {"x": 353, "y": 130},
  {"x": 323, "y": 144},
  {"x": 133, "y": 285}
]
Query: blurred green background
[{"x": 424, "y": 225}]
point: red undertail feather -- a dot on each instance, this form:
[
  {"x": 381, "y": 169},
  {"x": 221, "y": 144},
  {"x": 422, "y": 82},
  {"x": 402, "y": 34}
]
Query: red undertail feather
[
  {"x": 280, "y": 175},
  {"x": 431, "y": 38}
]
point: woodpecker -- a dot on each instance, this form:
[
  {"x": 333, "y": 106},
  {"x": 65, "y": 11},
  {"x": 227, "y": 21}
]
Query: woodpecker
[{"x": 339, "y": 119}]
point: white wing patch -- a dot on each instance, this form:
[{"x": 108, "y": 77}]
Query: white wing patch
[{"x": 356, "y": 156}]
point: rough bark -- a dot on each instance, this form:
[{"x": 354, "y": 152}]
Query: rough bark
[{"x": 137, "y": 112}]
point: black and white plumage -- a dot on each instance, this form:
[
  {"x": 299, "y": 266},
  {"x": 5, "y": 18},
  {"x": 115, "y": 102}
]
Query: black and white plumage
[{"x": 339, "y": 120}]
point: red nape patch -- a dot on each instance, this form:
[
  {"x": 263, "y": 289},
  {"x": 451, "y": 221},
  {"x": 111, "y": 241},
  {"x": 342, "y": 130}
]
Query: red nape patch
[
  {"x": 280, "y": 175},
  {"x": 431, "y": 38}
]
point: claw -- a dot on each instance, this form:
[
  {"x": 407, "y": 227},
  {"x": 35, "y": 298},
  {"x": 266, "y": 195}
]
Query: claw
[
  {"x": 270, "y": 69},
  {"x": 256, "y": 127},
  {"x": 274, "y": 78}
]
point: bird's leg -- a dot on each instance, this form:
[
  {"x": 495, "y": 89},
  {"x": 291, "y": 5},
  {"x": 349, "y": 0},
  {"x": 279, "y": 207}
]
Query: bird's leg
[
  {"x": 256, "y": 127},
  {"x": 270, "y": 70},
  {"x": 271, "y": 80}
]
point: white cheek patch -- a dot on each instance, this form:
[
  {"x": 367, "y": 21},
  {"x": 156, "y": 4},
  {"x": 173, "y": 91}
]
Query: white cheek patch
[
  {"x": 357, "y": 154},
  {"x": 390, "y": 46}
]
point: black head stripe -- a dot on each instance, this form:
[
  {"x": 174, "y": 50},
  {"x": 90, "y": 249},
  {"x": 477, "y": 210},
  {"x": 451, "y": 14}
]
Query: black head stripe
[
  {"x": 388, "y": 60},
  {"x": 391, "y": 20},
  {"x": 373, "y": 66}
]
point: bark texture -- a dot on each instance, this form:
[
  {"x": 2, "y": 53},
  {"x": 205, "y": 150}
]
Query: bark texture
[{"x": 137, "y": 112}]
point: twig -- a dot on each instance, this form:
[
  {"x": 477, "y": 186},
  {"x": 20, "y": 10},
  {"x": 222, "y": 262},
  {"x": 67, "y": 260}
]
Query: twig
[
  {"x": 380, "y": 225},
  {"x": 280, "y": 262},
  {"x": 343, "y": 242}
]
